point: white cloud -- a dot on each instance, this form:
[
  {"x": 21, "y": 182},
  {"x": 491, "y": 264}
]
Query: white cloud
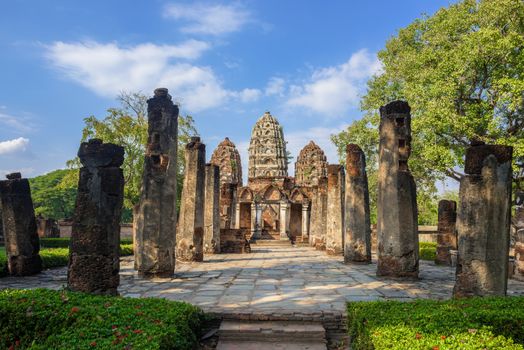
[
  {"x": 275, "y": 86},
  {"x": 333, "y": 90},
  {"x": 209, "y": 19},
  {"x": 21, "y": 124},
  {"x": 12, "y": 146},
  {"x": 247, "y": 95},
  {"x": 108, "y": 69}
]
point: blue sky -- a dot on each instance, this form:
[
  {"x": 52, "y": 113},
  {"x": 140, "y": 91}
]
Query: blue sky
[{"x": 225, "y": 62}]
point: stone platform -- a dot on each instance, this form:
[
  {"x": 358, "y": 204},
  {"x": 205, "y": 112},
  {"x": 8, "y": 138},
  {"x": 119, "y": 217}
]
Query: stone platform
[{"x": 271, "y": 279}]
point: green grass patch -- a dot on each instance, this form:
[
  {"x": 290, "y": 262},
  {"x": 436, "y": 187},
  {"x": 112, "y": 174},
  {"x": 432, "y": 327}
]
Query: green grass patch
[
  {"x": 476, "y": 323},
  {"x": 56, "y": 254},
  {"x": 44, "y": 319},
  {"x": 427, "y": 250},
  {"x": 63, "y": 242}
]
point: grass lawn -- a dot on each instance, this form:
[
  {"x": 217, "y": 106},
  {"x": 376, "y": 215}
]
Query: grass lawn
[
  {"x": 55, "y": 252},
  {"x": 476, "y": 323},
  {"x": 45, "y": 319}
]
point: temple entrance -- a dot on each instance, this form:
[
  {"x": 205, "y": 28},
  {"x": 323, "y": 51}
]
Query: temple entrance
[
  {"x": 270, "y": 222},
  {"x": 295, "y": 224},
  {"x": 245, "y": 216}
]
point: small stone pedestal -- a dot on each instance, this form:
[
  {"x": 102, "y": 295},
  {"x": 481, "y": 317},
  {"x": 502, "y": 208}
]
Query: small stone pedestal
[
  {"x": 95, "y": 240},
  {"x": 447, "y": 235},
  {"x": 19, "y": 227}
]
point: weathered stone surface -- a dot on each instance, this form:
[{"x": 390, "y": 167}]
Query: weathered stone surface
[
  {"x": 228, "y": 203},
  {"x": 212, "y": 210},
  {"x": 267, "y": 149},
  {"x": 357, "y": 239},
  {"x": 95, "y": 240},
  {"x": 190, "y": 236},
  {"x": 319, "y": 207},
  {"x": 447, "y": 234},
  {"x": 233, "y": 241},
  {"x": 156, "y": 221},
  {"x": 519, "y": 241},
  {"x": 311, "y": 165},
  {"x": 226, "y": 157},
  {"x": 483, "y": 222},
  {"x": 19, "y": 226},
  {"x": 47, "y": 228},
  {"x": 397, "y": 234},
  {"x": 335, "y": 210}
]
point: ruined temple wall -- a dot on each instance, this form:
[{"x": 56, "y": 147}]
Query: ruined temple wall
[
  {"x": 447, "y": 234},
  {"x": 318, "y": 217}
]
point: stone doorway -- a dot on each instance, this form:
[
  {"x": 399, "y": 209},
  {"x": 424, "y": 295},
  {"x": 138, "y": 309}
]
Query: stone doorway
[
  {"x": 295, "y": 221},
  {"x": 245, "y": 216}
]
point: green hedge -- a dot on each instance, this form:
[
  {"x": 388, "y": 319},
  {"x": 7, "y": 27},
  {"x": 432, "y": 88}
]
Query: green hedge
[
  {"x": 476, "y": 323},
  {"x": 427, "y": 250},
  {"x": 55, "y": 257},
  {"x": 45, "y": 319},
  {"x": 63, "y": 242}
]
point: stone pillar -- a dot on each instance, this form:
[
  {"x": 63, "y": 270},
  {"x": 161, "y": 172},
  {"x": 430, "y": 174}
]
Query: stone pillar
[
  {"x": 357, "y": 235},
  {"x": 156, "y": 221},
  {"x": 284, "y": 212},
  {"x": 259, "y": 224},
  {"x": 237, "y": 216},
  {"x": 19, "y": 226},
  {"x": 483, "y": 221},
  {"x": 519, "y": 242},
  {"x": 228, "y": 196},
  {"x": 47, "y": 228},
  {"x": 95, "y": 239},
  {"x": 317, "y": 237},
  {"x": 335, "y": 210},
  {"x": 447, "y": 234},
  {"x": 190, "y": 234},
  {"x": 305, "y": 221},
  {"x": 212, "y": 210},
  {"x": 397, "y": 217}
]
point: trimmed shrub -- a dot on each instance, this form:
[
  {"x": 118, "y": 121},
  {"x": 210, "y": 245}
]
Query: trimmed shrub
[
  {"x": 427, "y": 250},
  {"x": 63, "y": 242},
  {"x": 475, "y": 323},
  {"x": 45, "y": 319}
]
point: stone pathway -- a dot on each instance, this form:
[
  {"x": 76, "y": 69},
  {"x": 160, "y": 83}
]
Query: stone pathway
[{"x": 271, "y": 280}]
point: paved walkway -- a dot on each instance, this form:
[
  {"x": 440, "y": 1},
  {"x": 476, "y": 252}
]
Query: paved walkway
[{"x": 269, "y": 280}]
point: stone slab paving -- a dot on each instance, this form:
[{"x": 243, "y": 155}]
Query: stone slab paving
[{"x": 271, "y": 280}]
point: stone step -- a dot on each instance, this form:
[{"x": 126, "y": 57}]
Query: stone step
[
  {"x": 272, "y": 242},
  {"x": 273, "y": 332},
  {"x": 253, "y": 345}
]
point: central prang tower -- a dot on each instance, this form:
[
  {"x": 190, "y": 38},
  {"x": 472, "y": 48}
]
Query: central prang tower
[{"x": 267, "y": 149}]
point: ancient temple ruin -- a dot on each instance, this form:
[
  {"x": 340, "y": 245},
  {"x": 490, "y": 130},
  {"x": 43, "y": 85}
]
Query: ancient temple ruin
[
  {"x": 447, "y": 234},
  {"x": 272, "y": 205}
]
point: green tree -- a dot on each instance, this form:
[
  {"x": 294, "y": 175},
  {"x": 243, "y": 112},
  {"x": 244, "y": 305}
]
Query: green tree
[
  {"x": 127, "y": 126},
  {"x": 50, "y": 198},
  {"x": 462, "y": 72}
]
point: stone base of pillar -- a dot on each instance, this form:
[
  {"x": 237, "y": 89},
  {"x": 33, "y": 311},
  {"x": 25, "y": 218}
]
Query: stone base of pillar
[
  {"x": 398, "y": 267},
  {"x": 443, "y": 256},
  {"x": 21, "y": 265}
]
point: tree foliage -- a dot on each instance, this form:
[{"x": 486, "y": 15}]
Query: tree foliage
[
  {"x": 462, "y": 72},
  {"x": 127, "y": 126},
  {"x": 50, "y": 198}
]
